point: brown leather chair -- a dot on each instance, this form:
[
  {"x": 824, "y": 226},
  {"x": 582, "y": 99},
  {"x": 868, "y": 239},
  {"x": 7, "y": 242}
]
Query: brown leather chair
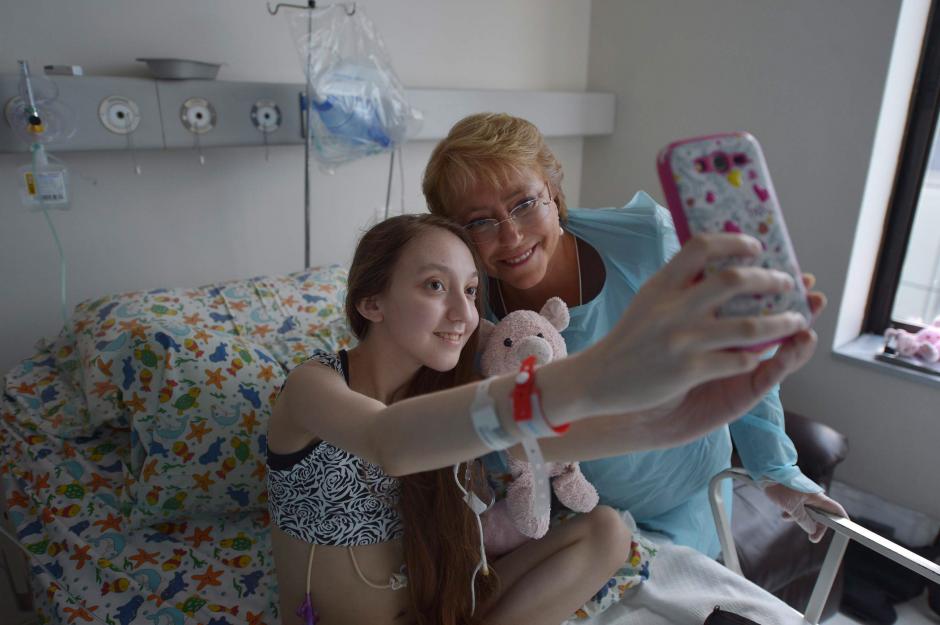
[{"x": 775, "y": 553}]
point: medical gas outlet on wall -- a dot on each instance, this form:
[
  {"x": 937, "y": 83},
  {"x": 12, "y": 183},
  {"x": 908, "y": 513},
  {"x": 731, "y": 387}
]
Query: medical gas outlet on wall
[
  {"x": 166, "y": 124},
  {"x": 119, "y": 114},
  {"x": 266, "y": 115},
  {"x": 198, "y": 115}
]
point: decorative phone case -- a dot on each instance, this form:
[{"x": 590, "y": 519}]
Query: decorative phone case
[{"x": 720, "y": 183}]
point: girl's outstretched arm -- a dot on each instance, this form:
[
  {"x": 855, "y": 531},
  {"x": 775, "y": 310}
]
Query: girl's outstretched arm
[{"x": 666, "y": 349}]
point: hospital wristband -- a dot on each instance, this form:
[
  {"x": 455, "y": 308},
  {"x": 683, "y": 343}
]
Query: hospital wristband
[
  {"x": 486, "y": 421},
  {"x": 527, "y": 405},
  {"x": 527, "y": 412}
]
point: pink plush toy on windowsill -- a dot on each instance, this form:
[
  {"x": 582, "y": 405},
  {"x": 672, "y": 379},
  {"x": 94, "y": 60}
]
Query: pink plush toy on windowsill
[
  {"x": 925, "y": 344},
  {"x": 505, "y": 345}
]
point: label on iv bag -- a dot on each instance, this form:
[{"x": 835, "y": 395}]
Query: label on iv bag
[{"x": 47, "y": 187}]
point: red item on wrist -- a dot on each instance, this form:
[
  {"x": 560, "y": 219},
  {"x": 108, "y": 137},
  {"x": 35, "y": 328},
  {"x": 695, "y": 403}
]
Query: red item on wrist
[{"x": 525, "y": 393}]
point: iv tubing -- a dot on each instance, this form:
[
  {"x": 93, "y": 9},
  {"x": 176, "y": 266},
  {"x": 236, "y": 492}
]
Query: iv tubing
[{"x": 36, "y": 148}]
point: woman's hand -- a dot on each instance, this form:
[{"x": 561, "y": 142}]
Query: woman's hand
[
  {"x": 793, "y": 504},
  {"x": 669, "y": 344}
]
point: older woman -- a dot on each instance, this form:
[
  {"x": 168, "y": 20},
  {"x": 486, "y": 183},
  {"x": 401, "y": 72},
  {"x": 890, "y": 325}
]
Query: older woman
[{"x": 494, "y": 175}]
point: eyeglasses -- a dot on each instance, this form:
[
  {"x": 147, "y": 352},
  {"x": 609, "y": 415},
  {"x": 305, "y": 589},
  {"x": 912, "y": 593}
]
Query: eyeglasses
[{"x": 526, "y": 214}]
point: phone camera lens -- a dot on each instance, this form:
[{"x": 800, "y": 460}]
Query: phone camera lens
[{"x": 720, "y": 161}]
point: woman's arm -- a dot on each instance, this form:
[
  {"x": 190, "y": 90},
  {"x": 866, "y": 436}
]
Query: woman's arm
[
  {"x": 760, "y": 437},
  {"x": 667, "y": 344}
]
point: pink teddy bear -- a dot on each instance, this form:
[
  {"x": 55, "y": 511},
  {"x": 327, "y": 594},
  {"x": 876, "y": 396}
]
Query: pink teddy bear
[
  {"x": 505, "y": 345},
  {"x": 925, "y": 344}
]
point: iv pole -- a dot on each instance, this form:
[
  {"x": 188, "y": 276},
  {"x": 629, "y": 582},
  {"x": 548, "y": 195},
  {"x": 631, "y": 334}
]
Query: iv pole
[
  {"x": 307, "y": 107},
  {"x": 310, "y": 8}
]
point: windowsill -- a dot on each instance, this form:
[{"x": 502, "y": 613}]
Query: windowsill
[{"x": 866, "y": 349}]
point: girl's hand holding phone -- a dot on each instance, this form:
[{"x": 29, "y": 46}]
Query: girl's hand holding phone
[
  {"x": 670, "y": 341},
  {"x": 720, "y": 183}
]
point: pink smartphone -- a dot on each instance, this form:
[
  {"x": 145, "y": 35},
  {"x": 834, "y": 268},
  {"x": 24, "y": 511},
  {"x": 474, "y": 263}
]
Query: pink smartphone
[{"x": 720, "y": 183}]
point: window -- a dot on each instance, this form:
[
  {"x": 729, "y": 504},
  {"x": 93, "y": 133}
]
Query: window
[
  {"x": 906, "y": 288},
  {"x": 917, "y": 300}
]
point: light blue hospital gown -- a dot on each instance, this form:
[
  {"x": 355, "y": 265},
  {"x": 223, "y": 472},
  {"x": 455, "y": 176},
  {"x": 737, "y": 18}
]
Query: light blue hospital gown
[{"x": 666, "y": 490}]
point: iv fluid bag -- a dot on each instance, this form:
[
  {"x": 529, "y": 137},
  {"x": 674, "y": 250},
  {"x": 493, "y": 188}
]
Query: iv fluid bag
[
  {"x": 358, "y": 104},
  {"x": 350, "y": 105}
]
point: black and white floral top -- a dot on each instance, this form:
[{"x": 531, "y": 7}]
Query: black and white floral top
[{"x": 327, "y": 496}]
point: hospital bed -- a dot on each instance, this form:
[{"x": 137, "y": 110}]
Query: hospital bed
[
  {"x": 132, "y": 449},
  {"x": 844, "y": 530},
  {"x": 685, "y": 586}
]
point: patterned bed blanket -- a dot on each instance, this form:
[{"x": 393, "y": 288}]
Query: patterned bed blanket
[
  {"x": 685, "y": 586},
  {"x": 88, "y": 566},
  {"x": 132, "y": 463},
  {"x": 132, "y": 449}
]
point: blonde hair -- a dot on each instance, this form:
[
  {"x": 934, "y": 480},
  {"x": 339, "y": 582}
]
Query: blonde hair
[{"x": 488, "y": 148}]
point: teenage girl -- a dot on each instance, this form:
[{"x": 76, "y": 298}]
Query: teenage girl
[{"x": 369, "y": 525}]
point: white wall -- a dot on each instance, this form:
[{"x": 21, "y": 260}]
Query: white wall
[
  {"x": 182, "y": 224},
  {"x": 806, "y": 77}
]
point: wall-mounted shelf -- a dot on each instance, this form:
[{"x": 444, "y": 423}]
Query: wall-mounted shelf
[{"x": 161, "y": 125}]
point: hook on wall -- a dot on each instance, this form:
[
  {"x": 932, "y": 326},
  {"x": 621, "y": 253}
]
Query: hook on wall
[{"x": 349, "y": 7}]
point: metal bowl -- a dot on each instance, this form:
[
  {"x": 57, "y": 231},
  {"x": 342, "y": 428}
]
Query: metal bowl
[{"x": 182, "y": 69}]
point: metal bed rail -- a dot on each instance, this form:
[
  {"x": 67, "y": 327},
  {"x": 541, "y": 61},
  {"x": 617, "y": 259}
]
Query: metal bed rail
[{"x": 844, "y": 531}]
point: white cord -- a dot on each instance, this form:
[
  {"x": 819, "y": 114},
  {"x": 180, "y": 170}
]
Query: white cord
[
  {"x": 469, "y": 498},
  {"x": 63, "y": 300},
  {"x": 310, "y": 565}
]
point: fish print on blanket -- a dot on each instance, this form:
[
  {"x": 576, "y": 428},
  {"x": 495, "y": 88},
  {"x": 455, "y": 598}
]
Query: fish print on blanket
[{"x": 132, "y": 449}]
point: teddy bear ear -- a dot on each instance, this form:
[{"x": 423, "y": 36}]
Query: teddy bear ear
[
  {"x": 486, "y": 329},
  {"x": 556, "y": 311}
]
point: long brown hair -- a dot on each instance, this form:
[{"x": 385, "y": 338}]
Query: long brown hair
[{"x": 441, "y": 543}]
